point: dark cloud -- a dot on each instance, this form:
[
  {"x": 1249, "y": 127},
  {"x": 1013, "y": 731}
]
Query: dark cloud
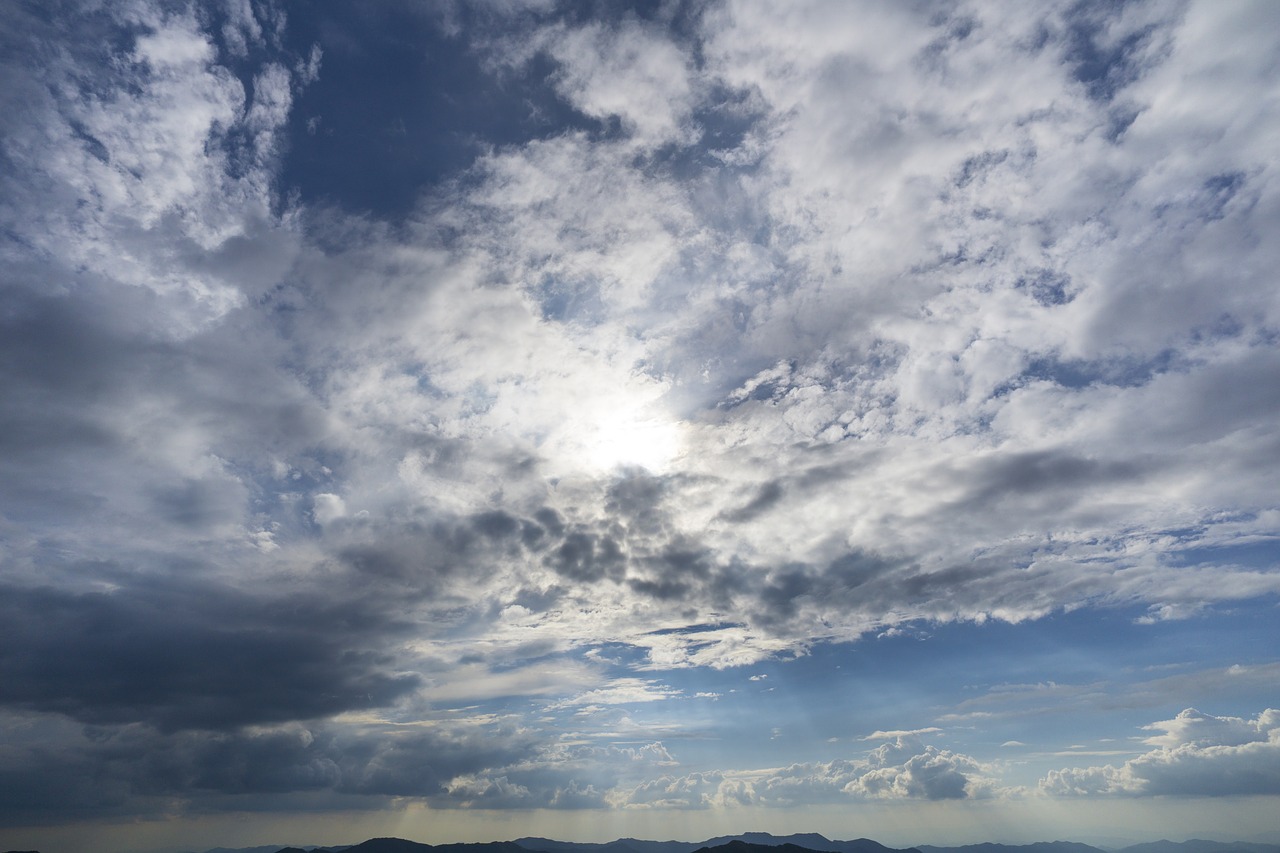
[
  {"x": 1022, "y": 476},
  {"x": 113, "y": 770},
  {"x": 586, "y": 558},
  {"x": 413, "y": 764},
  {"x": 193, "y": 656},
  {"x": 769, "y": 494}
]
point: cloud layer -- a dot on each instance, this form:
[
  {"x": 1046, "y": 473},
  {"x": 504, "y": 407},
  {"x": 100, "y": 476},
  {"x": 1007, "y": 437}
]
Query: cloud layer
[{"x": 811, "y": 324}]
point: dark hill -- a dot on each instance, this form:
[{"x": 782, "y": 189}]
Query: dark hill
[
  {"x": 747, "y": 847},
  {"x": 811, "y": 842},
  {"x": 391, "y": 845},
  {"x": 622, "y": 845},
  {"x": 1037, "y": 847},
  {"x": 400, "y": 845},
  {"x": 806, "y": 841},
  {"x": 833, "y": 847}
]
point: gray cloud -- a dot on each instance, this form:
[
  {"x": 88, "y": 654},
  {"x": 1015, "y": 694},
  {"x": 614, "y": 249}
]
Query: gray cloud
[
  {"x": 182, "y": 656},
  {"x": 113, "y": 770}
]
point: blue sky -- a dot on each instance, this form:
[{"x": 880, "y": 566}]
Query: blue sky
[{"x": 473, "y": 420}]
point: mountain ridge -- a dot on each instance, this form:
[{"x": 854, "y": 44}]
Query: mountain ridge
[{"x": 747, "y": 842}]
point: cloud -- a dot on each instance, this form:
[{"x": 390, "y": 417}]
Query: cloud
[
  {"x": 193, "y": 656},
  {"x": 805, "y": 327},
  {"x": 1197, "y": 755},
  {"x": 900, "y": 733},
  {"x": 105, "y": 771},
  {"x": 631, "y": 73},
  {"x": 1050, "y": 697},
  {"x": 904, "y": 769},
  {"x": 622, "y": 691},
  {"x": 949, "y": 433}
]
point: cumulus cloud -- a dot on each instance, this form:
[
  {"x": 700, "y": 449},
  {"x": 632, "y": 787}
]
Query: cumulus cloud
[
  {"x": 1197, "y": 754},
  {"x": 903, "y": 769}
]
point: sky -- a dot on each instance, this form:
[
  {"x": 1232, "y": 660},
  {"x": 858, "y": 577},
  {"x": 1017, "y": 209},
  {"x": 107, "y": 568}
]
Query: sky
[{"x": 465, "y": 421}]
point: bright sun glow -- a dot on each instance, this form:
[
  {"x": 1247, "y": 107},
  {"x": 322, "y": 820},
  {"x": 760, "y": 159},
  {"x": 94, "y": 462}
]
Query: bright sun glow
[{"x": 626, "y": 439}]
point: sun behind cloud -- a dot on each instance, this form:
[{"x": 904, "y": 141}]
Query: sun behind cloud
[{"x": 630, "y": 439}]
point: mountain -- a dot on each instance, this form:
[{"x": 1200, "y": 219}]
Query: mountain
[
  {"x": 1199, "y": 845},
  {"x": 747, "y": 847},
  {"x": 749, "y": 842},
  {"x": 808, "y": 841},
  {"x": 399, "y": 845},
  {"x": 1037, "y": 847}
]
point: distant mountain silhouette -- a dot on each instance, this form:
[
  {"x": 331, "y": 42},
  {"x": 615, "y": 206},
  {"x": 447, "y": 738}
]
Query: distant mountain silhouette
[
  {"x": 746, "y": 847},
  {"x": 859, "y": 846},
  {"x": 806, "y": 841},
  {"x": 749, "y": 842},
  {"x": 622, "y": 845},
  {"x": 399, "y": 845},
  {"x": 1199, "y": 845},
  {"x": 1037, "y": 847}
]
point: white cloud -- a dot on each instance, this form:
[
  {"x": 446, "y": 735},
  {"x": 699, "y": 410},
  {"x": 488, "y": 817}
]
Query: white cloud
[
  {"x": 633, "y": 73},
  {"x": 327, "y": 508},
  {"x": 622, "y": 691},
  {"x": 1197, "y": 755},
  {"x": 900, "y": 733},
  {"x": 902, "y": 770}
]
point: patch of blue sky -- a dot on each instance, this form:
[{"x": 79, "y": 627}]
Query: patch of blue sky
[
  {"x": 1125, "y": 372},
  {"x": 1262, "y": 553},
  {"x": 1101, "y": 62},
  {"x": 402, "y": 105},
  {"x": 1092, "y": 677}
]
